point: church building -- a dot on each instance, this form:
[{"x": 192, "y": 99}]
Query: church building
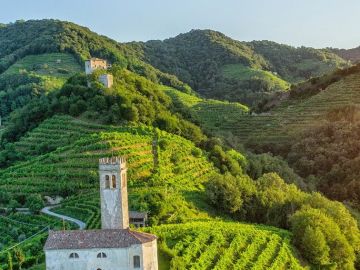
[{"x": 115, "y": 246}]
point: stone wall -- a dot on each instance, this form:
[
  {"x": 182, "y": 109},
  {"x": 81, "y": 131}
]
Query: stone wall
[
  {"x": 116, "y": 258},
  {"x": 114, "y": 201}
]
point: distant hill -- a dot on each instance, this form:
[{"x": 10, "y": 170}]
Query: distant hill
[
  {"x": 217, "y": 66},
  {"x": 352, "y": 55}
]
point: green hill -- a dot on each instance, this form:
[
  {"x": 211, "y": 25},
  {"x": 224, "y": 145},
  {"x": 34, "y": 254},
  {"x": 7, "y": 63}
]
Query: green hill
[
  {"x": 188, "y": 181},
  {"x": 217, "y": 66},
  {"x": 71, "y": 171},
  {"x": 29, "y": 54}
]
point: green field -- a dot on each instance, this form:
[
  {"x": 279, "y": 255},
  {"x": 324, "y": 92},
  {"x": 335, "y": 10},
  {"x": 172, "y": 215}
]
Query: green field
[
  {"x": 242, "y": 73},
  {"x": 61, "y": 65},
  {"x": 53, "y": 69}
]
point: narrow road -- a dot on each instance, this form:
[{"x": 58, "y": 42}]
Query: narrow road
[{"x": 46, "y": 210}]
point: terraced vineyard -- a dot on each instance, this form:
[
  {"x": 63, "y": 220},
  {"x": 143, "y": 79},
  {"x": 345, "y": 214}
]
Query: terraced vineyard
[
  {"x": 220, "y": 245},
  {"x": 71, "y": 171},
  {"x": 60, "y": 65},
  {"x": 212, "y": 115},
  {"x": 277, "y": 126},
  {"x": 27, "y": 232},
  {"x": 74, "y": 167}
]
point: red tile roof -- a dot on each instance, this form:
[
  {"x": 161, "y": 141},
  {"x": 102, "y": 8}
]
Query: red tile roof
[{"x": 96, "y": 239}]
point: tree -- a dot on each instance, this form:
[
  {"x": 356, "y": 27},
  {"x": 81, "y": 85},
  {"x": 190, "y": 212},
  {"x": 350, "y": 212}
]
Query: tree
[
  {"x": 314, "y": 246},
  {"x": 230, "y": 193},
  {"x": 35, "y": 202},
  {"x": 340, "y": 250}
]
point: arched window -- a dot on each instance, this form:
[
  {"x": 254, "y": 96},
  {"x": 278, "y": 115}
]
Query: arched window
[
  {"x": 101, "y": 255},
  {"x": 74, "y": 256},
  {"x": 107, "y": 181},
  {"x": 136, "y": 261},
  {"x": 113, "y": 178}
]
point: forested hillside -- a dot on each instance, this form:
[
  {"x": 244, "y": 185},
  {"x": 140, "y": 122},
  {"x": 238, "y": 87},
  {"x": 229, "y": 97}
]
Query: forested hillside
[
  {"x": 51, "y": 36},
  {"x": 352, "y": 55},
  {"x": 217, "y": 66},
  {"x": 197, "y": 190}
]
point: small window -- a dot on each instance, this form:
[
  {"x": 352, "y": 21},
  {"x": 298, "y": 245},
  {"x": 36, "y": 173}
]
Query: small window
[
  {"x": 107, "y": 181},
  {"x": 136, "y": 261},
  {"x": 101, "y": 255},
  {"x": 113, "y": 181},
  {"x": 74, "y": 256}
]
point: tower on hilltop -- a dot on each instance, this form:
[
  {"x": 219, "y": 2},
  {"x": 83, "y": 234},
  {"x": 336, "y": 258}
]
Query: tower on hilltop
[{"x": 113, "y": 193}]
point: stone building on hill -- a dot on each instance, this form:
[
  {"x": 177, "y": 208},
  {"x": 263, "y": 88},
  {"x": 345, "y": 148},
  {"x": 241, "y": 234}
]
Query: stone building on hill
[
  {"x": 96, "y": 63},
  {"x": 115, "y": 246}
]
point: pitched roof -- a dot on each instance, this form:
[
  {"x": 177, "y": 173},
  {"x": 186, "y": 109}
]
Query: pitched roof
[
  {"x": 135, "y": 214},
  {"x": 96, "y": 239}
]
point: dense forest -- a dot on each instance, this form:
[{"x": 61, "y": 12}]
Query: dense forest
[{"x": 58, "y": 122}]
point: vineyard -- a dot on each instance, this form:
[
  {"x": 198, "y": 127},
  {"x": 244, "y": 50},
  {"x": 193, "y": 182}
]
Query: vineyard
[
  {"x": 280, "y": 124},
  {"x": 220, "y": 245},
  {"x": 29, "y": 231},
  {"x": 70, "y": 167},
  {"x": 60, "y": 65},
  {"x": 213, "y": 115}
]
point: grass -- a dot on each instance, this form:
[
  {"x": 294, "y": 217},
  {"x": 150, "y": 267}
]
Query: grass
[{"x": 241, "y": 72}]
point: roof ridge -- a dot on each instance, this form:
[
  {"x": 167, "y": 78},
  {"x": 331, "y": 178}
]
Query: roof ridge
[{"x": 147, "y": 234}]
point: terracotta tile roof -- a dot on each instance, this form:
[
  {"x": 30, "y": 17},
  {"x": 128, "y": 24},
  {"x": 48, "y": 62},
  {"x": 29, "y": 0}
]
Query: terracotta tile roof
[{"x": 96, "y": 239}]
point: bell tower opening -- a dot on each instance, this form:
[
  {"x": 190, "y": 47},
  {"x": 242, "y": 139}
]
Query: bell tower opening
[{"x": 113, "y": 193}]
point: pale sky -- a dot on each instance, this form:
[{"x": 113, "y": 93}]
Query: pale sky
[{"x": 316, "y": 23}]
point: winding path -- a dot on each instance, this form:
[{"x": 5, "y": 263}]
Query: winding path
[{"x": 46, "y": 210}]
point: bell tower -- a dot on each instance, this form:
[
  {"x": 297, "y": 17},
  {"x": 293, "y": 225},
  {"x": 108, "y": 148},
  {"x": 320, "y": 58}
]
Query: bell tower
[{"x": 113, "y": 193}]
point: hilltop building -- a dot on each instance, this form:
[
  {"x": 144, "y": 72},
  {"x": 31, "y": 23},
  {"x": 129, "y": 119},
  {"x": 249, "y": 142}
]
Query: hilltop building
[
  {"x": 115, "y": 246},
  {"x": 96, "y": 63}
]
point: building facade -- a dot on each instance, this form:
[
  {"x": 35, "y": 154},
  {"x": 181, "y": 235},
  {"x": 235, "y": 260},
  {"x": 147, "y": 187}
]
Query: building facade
[
  {"x": 115, "y": 246},
  {"x": 96, "y": 63}
]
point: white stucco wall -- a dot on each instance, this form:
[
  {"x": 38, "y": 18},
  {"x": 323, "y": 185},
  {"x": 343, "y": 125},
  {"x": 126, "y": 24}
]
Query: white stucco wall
[
  {"x": 150, "y": 256},
  {"x": 114, "y": 201},
  {"x": 117, "y": 259},
  {"x": 107, "y": 80},
  {"x": 88, "y": 69}
]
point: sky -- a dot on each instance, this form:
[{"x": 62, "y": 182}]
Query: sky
[{"x": 315, "y": 23}]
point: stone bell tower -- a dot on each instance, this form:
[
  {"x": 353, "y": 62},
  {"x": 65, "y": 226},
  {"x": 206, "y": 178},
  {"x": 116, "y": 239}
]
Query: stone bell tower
[{"x": 113, "y": 193}]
